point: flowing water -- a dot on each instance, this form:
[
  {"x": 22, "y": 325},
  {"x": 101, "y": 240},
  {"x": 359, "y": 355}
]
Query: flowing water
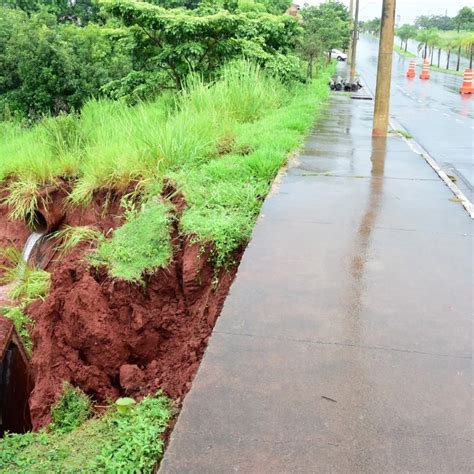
[{"x": 30, "y": 245}]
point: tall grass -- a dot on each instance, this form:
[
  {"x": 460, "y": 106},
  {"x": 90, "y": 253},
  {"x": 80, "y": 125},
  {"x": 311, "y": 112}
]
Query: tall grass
[{"x": 221, "y": 143}]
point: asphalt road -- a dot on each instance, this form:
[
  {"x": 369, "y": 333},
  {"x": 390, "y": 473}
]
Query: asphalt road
[{"x": 433, "y": 111}]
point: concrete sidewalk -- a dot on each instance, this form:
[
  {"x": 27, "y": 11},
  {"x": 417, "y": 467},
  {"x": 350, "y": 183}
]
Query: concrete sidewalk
[{"x": 345, "y": 342}]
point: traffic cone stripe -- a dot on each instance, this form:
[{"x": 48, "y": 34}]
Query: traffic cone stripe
[
  {"x": 411, "y": 69},
  {"x": 467, "y": 86},
  {"x": 425, "y": 73}
]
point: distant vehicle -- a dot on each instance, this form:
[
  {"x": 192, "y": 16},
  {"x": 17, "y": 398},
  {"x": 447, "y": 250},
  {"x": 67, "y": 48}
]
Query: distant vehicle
[{"x": 339, "y": 55}]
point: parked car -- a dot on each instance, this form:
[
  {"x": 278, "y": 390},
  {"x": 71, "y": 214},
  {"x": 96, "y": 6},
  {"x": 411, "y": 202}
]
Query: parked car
[{"x": 339, "y": 55}]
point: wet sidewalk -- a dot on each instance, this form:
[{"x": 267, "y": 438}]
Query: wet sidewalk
[{"x": 345, "y": 343}]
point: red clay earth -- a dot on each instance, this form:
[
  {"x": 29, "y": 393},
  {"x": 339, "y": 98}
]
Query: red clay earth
[{"x": 113, "y": 338}]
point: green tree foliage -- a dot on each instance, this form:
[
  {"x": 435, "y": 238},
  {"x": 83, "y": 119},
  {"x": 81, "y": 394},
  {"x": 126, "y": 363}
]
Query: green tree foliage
[
  {"x": 47, "y": 67},
  {"x": 179, "y": 42},
  {"x": 441, "y": 22},
  {"x": 79, "y": 12},
  {"x": 464, "y": 20},
  {"x": 327, "y": 26},
  {"x": 370, "y": 26},
  {"x": 406, "y": 32}
]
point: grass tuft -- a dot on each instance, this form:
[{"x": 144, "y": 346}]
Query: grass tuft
[
  {"x": 141, "y": 245},
  {"x": 71, "y": 236}
]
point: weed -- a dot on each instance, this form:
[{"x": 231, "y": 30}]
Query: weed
[
  {"x": 141, "y": 245},
  {"x": 71, "y": 236},
  {"x": 27, "y": 283},
  {"x": 111, "y": 443},
  {"x": 22, "y": 198},
  {"x": 402, "y": 133},
  {"x": 71, "y": 410},
  {"x": 22, "y": 324},
  {"x": 31, "y": 284}
]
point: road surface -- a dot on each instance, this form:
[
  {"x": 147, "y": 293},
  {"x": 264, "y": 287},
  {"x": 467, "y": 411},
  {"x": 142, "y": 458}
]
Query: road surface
[{"x": 433, "y": 111}]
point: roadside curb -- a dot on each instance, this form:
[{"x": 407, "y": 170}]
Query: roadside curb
[{"x": 419, "y": 150}]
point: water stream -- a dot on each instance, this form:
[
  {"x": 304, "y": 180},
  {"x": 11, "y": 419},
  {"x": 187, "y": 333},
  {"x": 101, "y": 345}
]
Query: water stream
[{"x": 30, "y": 245}]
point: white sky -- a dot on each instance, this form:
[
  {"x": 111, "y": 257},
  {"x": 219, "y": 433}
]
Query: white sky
[{"x": 407, "y": 9}]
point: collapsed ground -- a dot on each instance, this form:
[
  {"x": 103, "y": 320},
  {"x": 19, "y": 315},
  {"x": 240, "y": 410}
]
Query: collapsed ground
[{"x": 152, "y": 207}]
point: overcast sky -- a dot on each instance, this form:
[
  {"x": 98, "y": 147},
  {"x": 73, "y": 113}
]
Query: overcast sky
[{"x": 407, "y": 9}]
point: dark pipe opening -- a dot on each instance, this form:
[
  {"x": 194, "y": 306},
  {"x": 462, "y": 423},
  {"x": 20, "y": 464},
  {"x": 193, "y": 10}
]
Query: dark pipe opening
[
  {"x": 15, "y": 381},
  {"x": 37, "y": 222}
]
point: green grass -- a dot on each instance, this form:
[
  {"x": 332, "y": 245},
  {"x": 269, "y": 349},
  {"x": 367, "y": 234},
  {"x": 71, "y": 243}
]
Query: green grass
[
  {"x": 221, "y": 144},
  {"x": 112, "y": 443},
  {"x": 141, "y": 245},
  {"x": 71, "y": 236},
  {"x": 447, "y": 71},
  {"x": 22, "y": 324},
  {"x": 402, "y": 52}
]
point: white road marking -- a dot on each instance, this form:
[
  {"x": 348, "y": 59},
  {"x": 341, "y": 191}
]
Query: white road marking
[
  {"x": 445, "y": 114},
  {"x": 460, "y": 121}
]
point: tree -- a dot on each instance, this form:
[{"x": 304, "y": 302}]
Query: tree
[
  {"x": 406, "y": 32},
  {"x": 311, "y": 48},
  {"x": 468, "y": 43},
  {"x": 433, "y": 41},
  {"x": 441, "y": 22},
  {"x": 179, "y": 42},
  {"x": 47, "y": 67},
  {"x": 464, "y": 20},
  {"x": 371, "y": 26},
  {"x": 426, "y": 38},
  {"x": 329, "y": 23}
]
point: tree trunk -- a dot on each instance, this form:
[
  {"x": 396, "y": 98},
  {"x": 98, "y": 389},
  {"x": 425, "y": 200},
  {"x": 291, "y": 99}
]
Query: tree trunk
[
  {"x": 449, "y": 56},
  {"x": 470, "y": 57},
  {"x": 406, "y": 45},
  {"x": 439, "y": 56},
  {"x": 401, "y": 43},
  {"x": 459, "y": 59},
  {"x": 425, "y": 53},
  {"x": 432, "y": 54}
]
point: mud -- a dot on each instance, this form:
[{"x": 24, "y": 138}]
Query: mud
[{"x": 113, "y": 338}]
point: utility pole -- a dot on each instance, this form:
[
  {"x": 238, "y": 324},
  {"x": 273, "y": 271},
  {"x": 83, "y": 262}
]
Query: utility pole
[
  {"x": 355, "y": 36},
  {"x": 351, "y": 14},
  {"x": 384, "y": 69}
]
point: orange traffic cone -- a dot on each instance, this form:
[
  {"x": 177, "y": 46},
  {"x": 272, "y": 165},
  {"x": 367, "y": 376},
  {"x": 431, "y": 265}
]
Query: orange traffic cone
[
  {"x": 425, "y": 73},
  {"x": 467, "y": 86},
  {"x": 412, "y": 69}
]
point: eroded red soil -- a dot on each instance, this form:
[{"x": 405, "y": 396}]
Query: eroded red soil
[{"x": 112, "y": 338}]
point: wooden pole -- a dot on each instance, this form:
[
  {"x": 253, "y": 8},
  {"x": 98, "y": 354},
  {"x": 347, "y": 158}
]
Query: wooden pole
[
  {"x": 351, "y": 14},
  {"x": 384, "y": 69},
  {"x": 355, "y": 36}
]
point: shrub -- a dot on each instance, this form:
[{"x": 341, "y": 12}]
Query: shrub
[{"x": 71, "y": 410}]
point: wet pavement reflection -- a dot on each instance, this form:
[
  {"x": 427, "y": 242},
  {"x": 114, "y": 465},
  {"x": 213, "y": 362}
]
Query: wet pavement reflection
[
  {"x": 345, "y": 344},
  {"x": 433, "y": 111}
]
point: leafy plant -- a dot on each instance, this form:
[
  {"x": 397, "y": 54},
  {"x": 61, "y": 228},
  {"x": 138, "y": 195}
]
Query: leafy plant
[
  {"x": 106, "y": 444},
  {"x": 71, "y": 410},
  {"x": 141, "y": 245},
  {"x": 22, "y": 324},
  {"x": 124, "y": 405}
]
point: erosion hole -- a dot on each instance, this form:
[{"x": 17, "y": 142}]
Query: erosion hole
[{"x": 37, "y": 222}]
